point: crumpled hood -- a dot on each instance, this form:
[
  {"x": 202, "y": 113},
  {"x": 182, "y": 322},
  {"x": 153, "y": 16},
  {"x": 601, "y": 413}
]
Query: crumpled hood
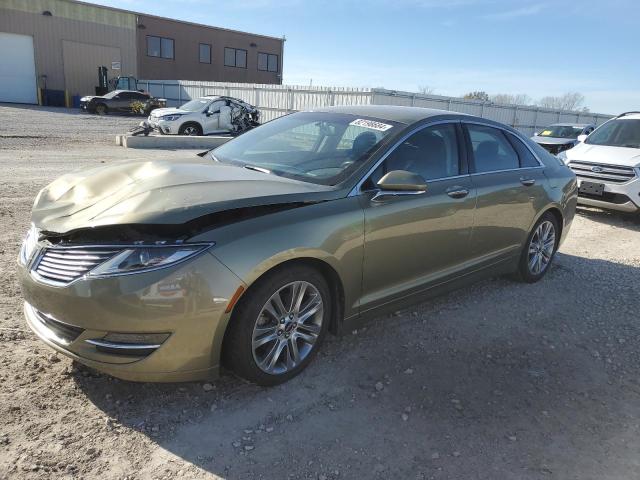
[
  {"x": 161, "y": 192},
  {"x": 629, "y": 157},
  {"x": 552, "y": 140},
  {"x": 159, "y": 112}
]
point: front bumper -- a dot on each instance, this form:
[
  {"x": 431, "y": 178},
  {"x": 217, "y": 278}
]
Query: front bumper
[
  {"x": 87, "y": 106},
  {"x": 187, "y": 302},
  {"x": 163, "y": 126},
  {"x": 623, "y": 197},
  {"x": 556, "y": 148}
]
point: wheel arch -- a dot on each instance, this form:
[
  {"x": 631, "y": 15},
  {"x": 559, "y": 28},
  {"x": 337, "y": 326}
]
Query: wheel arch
[
  {"x": 556, "y": 211},
  {"x": 329, "y": 273},
  {"x": 324, "y": 268}
]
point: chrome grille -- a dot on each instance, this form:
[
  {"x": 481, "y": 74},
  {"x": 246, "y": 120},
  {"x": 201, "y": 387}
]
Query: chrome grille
[
  {"x": 64, "y": 265},
  {"x": 602, "y": 172}
]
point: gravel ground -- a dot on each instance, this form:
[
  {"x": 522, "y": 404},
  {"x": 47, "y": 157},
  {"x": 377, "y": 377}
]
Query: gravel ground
[{"x": 497, "y": 381}]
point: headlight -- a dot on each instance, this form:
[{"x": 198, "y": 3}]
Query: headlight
[
  {"x": 140, "y": 259},
  {"x": 562, "y": 156},
  {"x": 170, "y": 118},
  {"x": 28, "y": 245}
]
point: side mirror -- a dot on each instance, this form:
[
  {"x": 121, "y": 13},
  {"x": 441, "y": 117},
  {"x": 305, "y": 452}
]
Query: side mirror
[
  {"x": 209, "y": 113},
  {"x": 117, "y": 97},
  {"x": 400, "y": 182},
  {"x": 535, "y": 134},
  {"x": 582, "y": 138}
]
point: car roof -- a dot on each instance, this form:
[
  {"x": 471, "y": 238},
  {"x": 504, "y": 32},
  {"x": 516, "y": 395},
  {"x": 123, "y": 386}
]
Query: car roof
[
  {"x": 566, "y": 124},
  {"x": 392, "y": 113},
  {"x": 629, "y": 116}
]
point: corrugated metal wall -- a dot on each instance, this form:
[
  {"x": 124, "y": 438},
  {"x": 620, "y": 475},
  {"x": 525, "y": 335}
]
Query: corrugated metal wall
[
  {"x": 277, "y": 100},
  {"x": 527, "y": 119}
]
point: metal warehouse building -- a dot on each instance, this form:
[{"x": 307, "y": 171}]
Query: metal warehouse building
[{"x": 51, "y": 50}]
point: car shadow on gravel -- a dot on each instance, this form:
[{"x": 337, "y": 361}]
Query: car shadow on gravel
[
  {"x": 498, "y": 380},
  {"x": 611, "y": 217}
]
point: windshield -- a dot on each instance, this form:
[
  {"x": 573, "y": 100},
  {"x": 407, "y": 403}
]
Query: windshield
[
  {"x": 617, "y": 133},
  {"x": 196, "y": 105},
  {"x": 322, "y": 148},
  {"x": 561, "y": 131},
  {"x": 112, "y": 94}
]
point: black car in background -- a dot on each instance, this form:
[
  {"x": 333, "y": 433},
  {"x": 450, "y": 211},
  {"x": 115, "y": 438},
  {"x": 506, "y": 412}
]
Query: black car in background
[
  {"x": 121, "y": 101},
  {"x": 559, "y": 137}
]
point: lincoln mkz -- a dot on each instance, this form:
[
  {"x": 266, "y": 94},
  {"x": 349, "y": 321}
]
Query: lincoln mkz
[{"x": 248, "y": 256}]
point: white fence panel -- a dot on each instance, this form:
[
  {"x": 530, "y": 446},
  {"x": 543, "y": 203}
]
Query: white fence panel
[{"x": 278, "y": 100}]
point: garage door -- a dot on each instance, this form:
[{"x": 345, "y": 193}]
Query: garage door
[{"x": 17, "y": 69}]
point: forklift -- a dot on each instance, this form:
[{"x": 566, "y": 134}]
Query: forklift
[{"x": 106, "y": 85}]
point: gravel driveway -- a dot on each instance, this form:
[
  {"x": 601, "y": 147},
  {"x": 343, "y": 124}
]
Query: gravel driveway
[{"x": 497, "y": 381}]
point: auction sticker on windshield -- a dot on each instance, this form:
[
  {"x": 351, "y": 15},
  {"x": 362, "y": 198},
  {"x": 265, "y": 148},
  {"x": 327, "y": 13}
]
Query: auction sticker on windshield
[{"x": 373, "y": 125}]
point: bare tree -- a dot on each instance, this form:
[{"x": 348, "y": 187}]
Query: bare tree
[
  {"x": 509, "y": 99},
  {"x": 568, "y": 101},
  {"x": 477, "y": 95},
  {"x": 426, "y": 90}
]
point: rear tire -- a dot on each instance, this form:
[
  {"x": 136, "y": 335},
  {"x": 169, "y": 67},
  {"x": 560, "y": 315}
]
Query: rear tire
[
  {"x": 268, "y": 341},
  {"x": 191, "y": 129},
  {"x": 539, "y": 249}
]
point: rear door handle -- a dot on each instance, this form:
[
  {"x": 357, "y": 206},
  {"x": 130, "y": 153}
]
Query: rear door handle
[
  {"x": 527, "y": 182},
  {"x": 457, "y": 192}
]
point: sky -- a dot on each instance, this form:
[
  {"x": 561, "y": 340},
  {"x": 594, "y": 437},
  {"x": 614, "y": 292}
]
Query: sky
[{"x": 539, "y": 48}]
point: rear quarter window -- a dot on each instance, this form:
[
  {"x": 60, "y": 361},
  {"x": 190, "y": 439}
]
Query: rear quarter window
[{"x": 527, "y": 159}]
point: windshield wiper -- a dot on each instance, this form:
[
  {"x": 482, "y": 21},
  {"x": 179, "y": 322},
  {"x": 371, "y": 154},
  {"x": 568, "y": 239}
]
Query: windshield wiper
[{"x": 257, "y": 169}]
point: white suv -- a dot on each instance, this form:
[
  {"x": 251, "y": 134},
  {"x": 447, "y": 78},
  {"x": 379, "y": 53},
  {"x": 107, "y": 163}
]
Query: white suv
[
  {"x": 204, "y": 116},
  {"x": 607, "y": 164}
]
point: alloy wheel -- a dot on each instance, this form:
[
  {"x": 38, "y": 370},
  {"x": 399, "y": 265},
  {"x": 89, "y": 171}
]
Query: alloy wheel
[
  {"x": 191, "y": 131},
  {"x": 287, "y": 327},
  {"x": 541, "y": 247}
]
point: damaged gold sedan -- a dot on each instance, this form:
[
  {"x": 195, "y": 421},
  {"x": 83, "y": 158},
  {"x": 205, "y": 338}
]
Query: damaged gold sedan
[{"x": 249, "y": 255}]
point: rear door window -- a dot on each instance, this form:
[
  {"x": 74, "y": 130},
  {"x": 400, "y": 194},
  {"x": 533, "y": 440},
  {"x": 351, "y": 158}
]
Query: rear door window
[{"x": 491, "y": 150}]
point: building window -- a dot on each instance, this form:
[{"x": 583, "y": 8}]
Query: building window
[
  {"x": 160, "y": 47},
  {"x": 235, "y": 57},
  {"x": 205, "y": 53},
  {"x": 267, "y": 62}
]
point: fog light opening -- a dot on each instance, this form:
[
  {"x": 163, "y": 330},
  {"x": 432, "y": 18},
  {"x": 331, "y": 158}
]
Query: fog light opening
[{"x": 130, "y": 344}]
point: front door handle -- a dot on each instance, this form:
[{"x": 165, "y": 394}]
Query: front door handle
[
  {"x": 527, "y": 182},
  {"x": 457, "y": 192}
]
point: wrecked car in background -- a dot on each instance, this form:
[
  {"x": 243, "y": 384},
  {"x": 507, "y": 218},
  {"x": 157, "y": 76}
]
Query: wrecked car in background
[
  {"x": 559, "y": 137},
  {"x": 205, "y": 116},
  {"x": 122, "y": 101}
]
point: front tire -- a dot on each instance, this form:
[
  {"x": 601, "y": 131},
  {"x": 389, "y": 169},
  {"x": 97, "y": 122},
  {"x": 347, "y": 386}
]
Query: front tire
[
  {"x": 190, "y": 129},
  {"x": 540, "y": 249},
  {"x": 278, "y": 326},
  {"x": 101, "y": 109}
]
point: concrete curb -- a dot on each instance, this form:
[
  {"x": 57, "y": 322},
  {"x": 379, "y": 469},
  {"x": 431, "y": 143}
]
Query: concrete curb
[{"x": 171, "y": 141}]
